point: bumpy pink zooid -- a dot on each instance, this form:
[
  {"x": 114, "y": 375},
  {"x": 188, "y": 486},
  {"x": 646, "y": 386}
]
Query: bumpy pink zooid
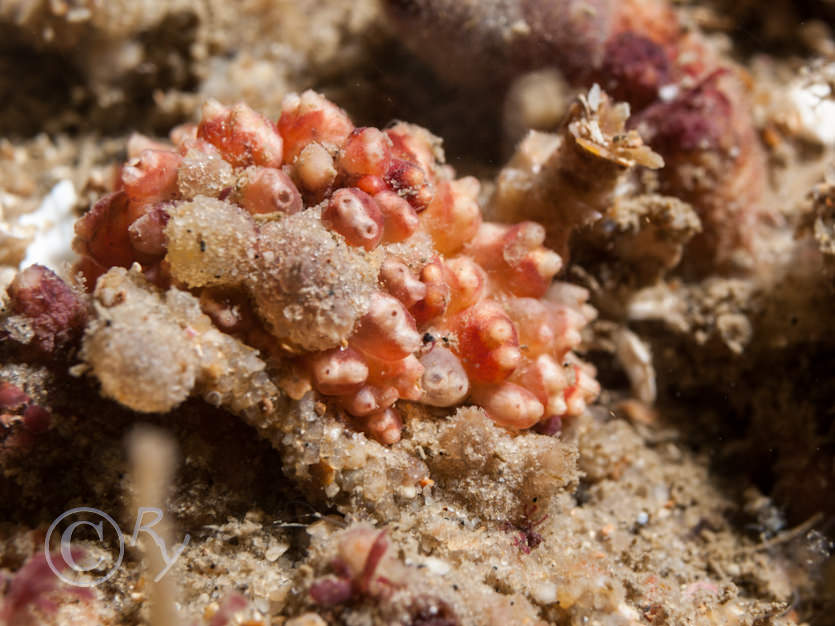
[{"x": 474, "y": 315}]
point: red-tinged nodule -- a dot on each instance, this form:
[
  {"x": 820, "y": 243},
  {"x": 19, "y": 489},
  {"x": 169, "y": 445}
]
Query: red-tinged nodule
[
  {"x": 12, "y": 397},
  {"x": 697, "y": 120},
  {"x": 242, "y": 136},
  {"x": 400, "y": 220},
  {"x": 151, "y": 176},
  {"x": 55, "y": 312},
  {"x": 36, "y": 419},
  {"x": 355, "y": 215},
  {"x": 409, "y": 181},
  {"x": 269, "y": 190},
  {"x": 102, "y": 232},
  {"x": 310, "y": 117},
  {"x": 634, "y": 68},
  {"x": 366, "y": 152},
  {"x": 147, "y": 234},
  {"x": 338, "y": 371},
  {"x": 488, "y": 343},
  {"x": 434, "y": 304},
  {"x": 399, "y": 281},
  {"x": 387, "y": 331},
  {"x": 331, "y": 591},
  {"x": 550, "y": 426}
]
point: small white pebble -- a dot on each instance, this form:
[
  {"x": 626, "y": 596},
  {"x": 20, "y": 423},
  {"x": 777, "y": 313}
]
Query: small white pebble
[
  {"x": 320, "y": 530},
  {"x": 520, "y": 28},
  {"x": 596, "y": 134},
  {"x": 629, "y": 613},
  {"x": 308, "y": 619},
  {"x": 594, "y": 97},
  {"x": 54, "y": 221},
  {"x": 276, "y": 549},
  {"x": 78, "y": 14},
  {"x": 545, "y": 592},
  {"x": 437, "y": 566},
  {"x": 814, "y": 106},
  {"x": 262, "y": 605}
]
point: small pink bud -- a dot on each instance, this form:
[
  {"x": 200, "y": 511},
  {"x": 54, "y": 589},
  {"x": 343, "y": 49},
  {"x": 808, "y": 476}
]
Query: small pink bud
[
  {"x": 583, "y": 391},
  {"x": 453, "y": 216},
  {"x": 445, "y": 382},
  {"x": 147, "y": 233},
  {"x": 242, "y": 136},
  {"x": 311, "y": 117},
  {"x": 138, "y": 143},
  {"x": 435, "y": 302},
  {"x": 36, "y": 419},
  {"x": 509, "y": 405},
  {"x": 338, "y": 371},
  {"x": 384, "y": 427},
  {"x": 367, "y": 151},
  {"x": 400, "y": 282},
  {"x": 314, "y": 168},
  {"x": 152, "y": 176},
  {"x": 404, "y": 375},
  {"x": 467, "y": 282},
  {"x": 12, "y": 397},
  {"x": 487, "y": 343},
  {"x": 354, "y": 215},
  {"x": 387, "y": 331},
  {"x": 368, "y": 399},
  {"x": 409, "y": 181},
  {"x": 400, "y": 220},
  {"x": 269, "y": 190}
]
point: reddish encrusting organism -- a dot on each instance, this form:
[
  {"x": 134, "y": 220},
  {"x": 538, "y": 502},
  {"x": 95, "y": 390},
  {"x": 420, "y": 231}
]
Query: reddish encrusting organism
[
  {"x": 366, "y": 569},
  {"x": 527, "y": 538},
  {"x": 355, "y": 255},
  {"x": 12, "y": 397},
  {"x": 52, "y": 313},
  {"x": 21, "y": 418},
  {"x": 355, "y": 571},
  {"x": 691, "y": 104},
  {"x": 35, "y": 594}
]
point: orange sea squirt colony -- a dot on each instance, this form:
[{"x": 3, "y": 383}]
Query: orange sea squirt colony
[{"x": 399, "y": 290}]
